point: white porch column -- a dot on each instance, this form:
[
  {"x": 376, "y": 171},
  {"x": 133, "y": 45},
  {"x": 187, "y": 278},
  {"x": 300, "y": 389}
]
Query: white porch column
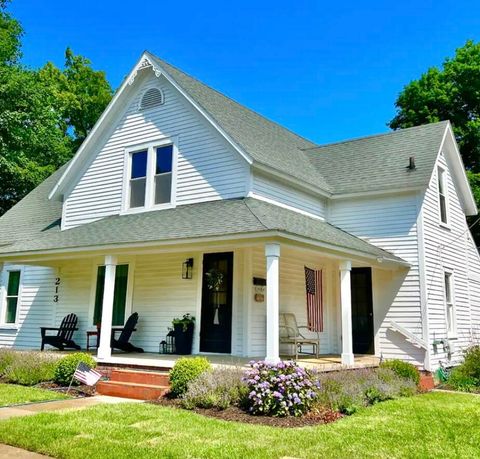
[
  {"x": 272, "y": 254},
  {"x": 105, "y": 350},
  {"x": 346, "y": 306}
]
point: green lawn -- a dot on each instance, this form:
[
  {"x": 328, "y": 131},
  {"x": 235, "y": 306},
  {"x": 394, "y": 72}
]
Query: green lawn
[
  {"x": 11, "y": 394},
  {"x": 432, "y": 425}
]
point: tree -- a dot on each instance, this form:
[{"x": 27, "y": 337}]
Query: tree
[
  {"x": 44, "y": 114},
  {"x": 451, "y": 92}
]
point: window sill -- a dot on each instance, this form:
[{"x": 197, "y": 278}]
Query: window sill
[
  {"x": 445, "y": 226},
  {"x": 9, "y": 327},
  {"x": 139, "y": 210},
  {"x": 452, "y": 336}
]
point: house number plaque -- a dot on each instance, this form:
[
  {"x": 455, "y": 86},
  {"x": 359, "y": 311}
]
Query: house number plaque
[{"x": 57, "y": 286}]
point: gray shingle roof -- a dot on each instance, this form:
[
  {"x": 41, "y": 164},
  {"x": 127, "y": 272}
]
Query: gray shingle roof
[
  {"x": 266, "y": 142},
  {"x": 379, "y": 162},
  {"x": 33, "y": 225}
]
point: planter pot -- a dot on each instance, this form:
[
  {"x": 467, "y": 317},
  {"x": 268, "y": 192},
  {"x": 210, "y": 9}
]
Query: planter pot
[{"x": 183, "y": 339}]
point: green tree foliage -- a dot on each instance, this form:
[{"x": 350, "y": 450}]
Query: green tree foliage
[
  {"x": 451, "y": 92},
  {"x": 44, "y": 114}
]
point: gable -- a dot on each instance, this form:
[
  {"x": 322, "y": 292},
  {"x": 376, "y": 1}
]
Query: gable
[{"x": 208, "y": 168}]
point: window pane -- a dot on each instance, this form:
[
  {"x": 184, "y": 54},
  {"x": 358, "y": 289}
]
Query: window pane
[
  {"x": 97, "y": 313},
  {"x": 163, "y": 188},
  {"x": 448, "y": 294},
  {"x": 13, "y": 283},
  {"x": 119, "y": 295},
  {"x": 440, "y": 181},
  {"x": 139, "y": 164},
  {"x": 11, "y": 310},
  {"x": 164, "y": 159},
  {"x": 137, "y": 192},
  {"x": 443, "y": 209}
]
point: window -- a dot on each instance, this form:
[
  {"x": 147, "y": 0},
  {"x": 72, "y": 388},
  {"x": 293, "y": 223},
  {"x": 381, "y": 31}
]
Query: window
[
  {"x": 150, "y": 180},
  {"x": 163, "y": 174},
  {"x": 13, "y": 290},
  {"x": 119, "y": 295},
  {"x": 138, "y": 179},
  {"x": 449, "y": 302},
  {"x": 442, "y": 196}
]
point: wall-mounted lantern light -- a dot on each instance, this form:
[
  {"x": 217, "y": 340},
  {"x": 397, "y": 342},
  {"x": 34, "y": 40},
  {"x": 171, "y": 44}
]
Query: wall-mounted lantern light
[{"x": 187, "y": 268}]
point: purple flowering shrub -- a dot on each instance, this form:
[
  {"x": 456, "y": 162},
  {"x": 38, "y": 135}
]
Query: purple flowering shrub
[{"x": 282, "y": 389}]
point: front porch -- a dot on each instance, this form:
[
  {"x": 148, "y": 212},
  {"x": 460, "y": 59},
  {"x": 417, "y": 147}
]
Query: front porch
[
  {"x": 262, "y": 279},
  {"x": 326, "y": 362}
]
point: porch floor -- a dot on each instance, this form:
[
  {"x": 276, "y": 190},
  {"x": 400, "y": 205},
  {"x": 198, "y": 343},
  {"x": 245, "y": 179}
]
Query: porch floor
[{"x": 326, "y": 362}]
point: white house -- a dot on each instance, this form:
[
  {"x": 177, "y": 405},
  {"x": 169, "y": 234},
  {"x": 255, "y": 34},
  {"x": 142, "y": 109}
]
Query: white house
[{"x": 175, "y": 174}]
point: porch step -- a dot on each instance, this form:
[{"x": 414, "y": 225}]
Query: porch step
[
  {"x": 131, "y": 390},
  {"x": 141, "y": 377}
]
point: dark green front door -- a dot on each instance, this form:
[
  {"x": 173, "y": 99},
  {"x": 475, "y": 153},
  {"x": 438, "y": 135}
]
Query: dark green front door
[
  {"x": 362, "y": 311},
  {"x": 216, "y": 320}
]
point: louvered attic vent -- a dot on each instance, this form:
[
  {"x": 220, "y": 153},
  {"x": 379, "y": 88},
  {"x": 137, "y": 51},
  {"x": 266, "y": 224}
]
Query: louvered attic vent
[{"x": 151, "y": 98}]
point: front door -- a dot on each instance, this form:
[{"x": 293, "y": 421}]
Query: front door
[
  {"x": 216, "y": 320},
  {"x": 362, "y": 311}
]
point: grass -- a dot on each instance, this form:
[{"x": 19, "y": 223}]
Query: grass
[
  {"x": 432, "y": 425},
  {"x": 11, "y": 394}
]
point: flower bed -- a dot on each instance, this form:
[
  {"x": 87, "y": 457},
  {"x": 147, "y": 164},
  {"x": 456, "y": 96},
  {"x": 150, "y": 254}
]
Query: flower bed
[{"x": 285, "y": 394}]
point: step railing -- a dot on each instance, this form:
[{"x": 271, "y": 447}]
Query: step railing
[{"x": 409, "y": 336}]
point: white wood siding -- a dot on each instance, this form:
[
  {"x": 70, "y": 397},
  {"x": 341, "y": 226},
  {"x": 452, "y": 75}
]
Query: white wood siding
[
  {"x": 292, "y": 299},
  {"x": 208, "y": 168},
  {"x": 274, "y": 190},
  {"x": 36, "y": 308},
  {"x": 474, "y": 287},
  {"x": 447, "y": 249},
  {"x": 389, "y": 222}
]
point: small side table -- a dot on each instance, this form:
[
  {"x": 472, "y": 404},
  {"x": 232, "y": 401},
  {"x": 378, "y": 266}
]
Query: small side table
[{"x": 89, "y": 335}]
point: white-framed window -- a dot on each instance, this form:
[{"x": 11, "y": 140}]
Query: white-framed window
[
  {"x": 11, "y": 298},
  {"x": 442, "y": 196},
  {"x": 449, "y": 295},
  {"x": 150, "y": 176}
]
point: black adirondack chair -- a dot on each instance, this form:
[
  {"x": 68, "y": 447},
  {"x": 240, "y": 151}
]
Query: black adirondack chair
[
  {"x": 63, "y": 338},
  {"x": 122, "y": 342}
]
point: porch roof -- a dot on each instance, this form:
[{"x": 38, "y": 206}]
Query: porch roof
[{"x": 34, "y": 226}]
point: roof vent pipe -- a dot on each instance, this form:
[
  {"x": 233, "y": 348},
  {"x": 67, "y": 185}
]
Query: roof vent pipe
[{"x": 411, "y": 163}]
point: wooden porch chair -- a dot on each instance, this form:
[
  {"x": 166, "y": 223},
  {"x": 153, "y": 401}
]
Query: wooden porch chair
[
  {"x": 63, "y": 338},
  {"x": 122, "y": 342},
  {"x": 290, "y": 334}
]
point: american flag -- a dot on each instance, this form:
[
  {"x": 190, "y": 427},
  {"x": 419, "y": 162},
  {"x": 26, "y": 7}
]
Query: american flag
[
  {"x": 86, "y": 375},
  {"x": 314, "y": 288}
]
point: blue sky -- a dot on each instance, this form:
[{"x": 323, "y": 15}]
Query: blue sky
[{"x": 327, "y": 70}]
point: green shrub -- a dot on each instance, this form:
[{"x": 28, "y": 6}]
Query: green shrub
[
  {"x": 67, "y": 365},
  {"x": 186, "y": 370},
  {"x": 7, "y": 357},
  {"x": 471, "y": 363},
  {"x": 459, "y": 379},
  {"x": 403, "y": 369},
  {"x": 220, "y": 388},
  {"x": 28, "y": 368},
  {"x": 348, "y": 391}
]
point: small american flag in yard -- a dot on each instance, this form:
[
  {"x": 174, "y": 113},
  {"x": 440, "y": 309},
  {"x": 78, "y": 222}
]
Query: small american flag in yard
[
  {"x": 86, "y": 375},
  {"x": 313, "y": 284}
]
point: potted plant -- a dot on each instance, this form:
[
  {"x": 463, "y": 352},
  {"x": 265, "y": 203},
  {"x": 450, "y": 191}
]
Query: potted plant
[{"x": 183, "y": 329}]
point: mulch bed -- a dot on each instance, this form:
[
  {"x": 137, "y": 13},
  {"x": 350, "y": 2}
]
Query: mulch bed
[
  {"x": 75, "y": 391},
  {"x": 237, "y": 415}
]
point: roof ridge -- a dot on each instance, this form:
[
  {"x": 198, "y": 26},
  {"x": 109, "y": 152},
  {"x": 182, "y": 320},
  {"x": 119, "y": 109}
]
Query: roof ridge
[
  {"x": 372, "y": 136},
  {"x": 233, "y": 100}
]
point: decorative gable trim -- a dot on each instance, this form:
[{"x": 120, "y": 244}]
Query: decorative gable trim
[{"x": 75, "y": 165}]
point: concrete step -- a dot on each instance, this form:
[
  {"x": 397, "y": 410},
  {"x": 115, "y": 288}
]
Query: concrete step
[
  {"x": 141, "y": 377},
  {"x": 131, "y": 390}
]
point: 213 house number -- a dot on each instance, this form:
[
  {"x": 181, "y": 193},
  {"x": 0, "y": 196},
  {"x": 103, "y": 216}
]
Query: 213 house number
[{"x": 57, "y": 286}]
